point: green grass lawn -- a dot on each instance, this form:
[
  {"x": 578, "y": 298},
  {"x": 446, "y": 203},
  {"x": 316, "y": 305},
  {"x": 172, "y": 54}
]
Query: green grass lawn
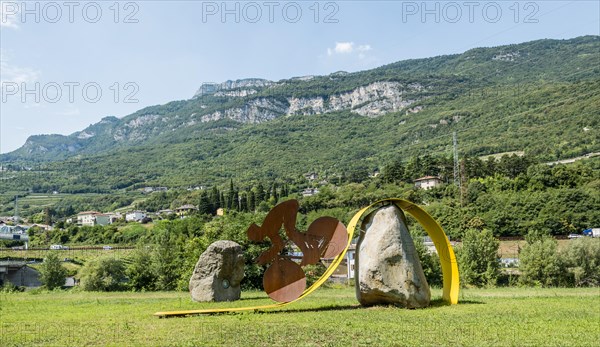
[{"x": 329, "y": 317}]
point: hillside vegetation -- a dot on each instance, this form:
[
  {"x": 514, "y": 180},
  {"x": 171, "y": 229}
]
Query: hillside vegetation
[{"x": 540, "y": 97}]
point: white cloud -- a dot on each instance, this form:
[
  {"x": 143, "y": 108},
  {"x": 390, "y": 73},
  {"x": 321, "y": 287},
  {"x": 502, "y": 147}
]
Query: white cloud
[
  {"x": 349, "y": 48},
  {"x": 344, "y": 47},
  {"x": 364, "y": 48},
  {"x": 8, "y": 15},
  {"x": 16, "y": 74}
]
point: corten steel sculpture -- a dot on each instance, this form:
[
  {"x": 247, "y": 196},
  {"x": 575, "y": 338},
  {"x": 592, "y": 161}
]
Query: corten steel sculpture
[
  {"x": 313, "y": 242},
  {"x": 285, "y": 280}
]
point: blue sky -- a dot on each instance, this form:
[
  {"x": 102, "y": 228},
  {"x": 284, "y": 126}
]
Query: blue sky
[{"x": 141, "y": 53}]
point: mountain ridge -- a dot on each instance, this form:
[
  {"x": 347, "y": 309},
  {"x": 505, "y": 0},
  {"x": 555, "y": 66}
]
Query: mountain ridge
[
  {"x": 377, "y": 92},
  {"x": 517, "y": 97}
]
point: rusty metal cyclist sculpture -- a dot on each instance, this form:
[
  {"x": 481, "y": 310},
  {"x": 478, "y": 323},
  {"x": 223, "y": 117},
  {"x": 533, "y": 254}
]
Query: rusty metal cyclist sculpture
[{"x": 285, "y": 280}]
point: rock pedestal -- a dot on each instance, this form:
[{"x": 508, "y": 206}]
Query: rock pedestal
[
  {"x": 388, "y": 268},
  {"x": 218, "y": 273}
]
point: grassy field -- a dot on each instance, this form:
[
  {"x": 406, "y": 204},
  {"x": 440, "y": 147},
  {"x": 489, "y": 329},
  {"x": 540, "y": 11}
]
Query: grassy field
[
  {"x": 74, "y": 258},
  {"x": 32, "y": 203},
  {"x": 81, "y": 255},
  {"x": 35, "y": 202},
  {"x": 329, "y": 317}
]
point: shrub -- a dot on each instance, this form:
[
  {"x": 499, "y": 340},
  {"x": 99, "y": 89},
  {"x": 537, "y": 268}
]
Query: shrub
[
  {"x": 582, "y": 256},
  {"x": 478, "y": 258},
  {"x": 103, "y": 274},
  {"x": 8, "y": 287},
  {"x": 313, "y": 272},
  {"x": 540, "y": 263},
  {"x": 429, "y": 261},
  {"x": 52, "y": 273},
  {"x": 167, "y": 263},
  {"x": 139, "y": 271}
]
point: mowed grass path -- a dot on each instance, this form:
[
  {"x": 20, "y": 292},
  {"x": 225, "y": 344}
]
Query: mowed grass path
[{"x": 329, "y": 317}]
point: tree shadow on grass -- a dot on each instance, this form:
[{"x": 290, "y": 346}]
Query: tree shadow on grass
[
  {"x": 313, "y": 309},
  {"x": 434, "y": 303},
  {"x": 441, "y": 303},
  {"x": 258, "y": 296}
]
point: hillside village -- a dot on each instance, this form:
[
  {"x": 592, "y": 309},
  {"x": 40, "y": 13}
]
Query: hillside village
[
  {"x": 93, "y": 218},
  {"x": 20, "y": 273}
]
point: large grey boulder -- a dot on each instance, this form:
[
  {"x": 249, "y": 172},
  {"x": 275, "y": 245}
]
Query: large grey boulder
[
  {"x": 388, "y": 269},
  {"x": 218, "y": 273}
]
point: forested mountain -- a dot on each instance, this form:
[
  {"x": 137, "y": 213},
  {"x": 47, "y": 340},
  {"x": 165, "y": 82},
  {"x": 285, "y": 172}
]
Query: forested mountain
[{"x": 541, "y": 97}]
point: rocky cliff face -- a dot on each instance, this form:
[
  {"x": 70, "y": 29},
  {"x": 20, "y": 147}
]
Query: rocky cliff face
[
  {"x": 372, "y": 100},
  {"x": 226, "y": 88},
  {"x": 254, "y": 111}
]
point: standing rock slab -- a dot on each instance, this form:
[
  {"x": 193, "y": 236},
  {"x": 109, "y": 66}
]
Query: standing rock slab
[
  {"x": 218, "y": 273},
  {"x": 388, "y": 268}
]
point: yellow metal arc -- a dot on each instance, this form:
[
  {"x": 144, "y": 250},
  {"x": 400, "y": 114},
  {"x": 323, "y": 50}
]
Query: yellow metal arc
[{"x": 433, "y": 229}]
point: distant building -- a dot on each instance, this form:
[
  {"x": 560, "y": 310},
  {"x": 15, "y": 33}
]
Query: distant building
[
  {"x": 154, "y": 189},
  {"x": 135, "y": 216},
  {"x": 42, "y": 226},
  {"x": 87, "y": 218},
  {"x": 19, "y": 274},
  {"x": 311, "y": 176},
  {"x": 310, "y": 192},
  {"x": 70, "y": 282},
  {"x": 6, "y": 219},
  {"x": 165, "y": 212},
  {"x": 189, "y": 189},
  {"x": 185, "y": 209},
  {"x": 345, "y": 271},
  {"x": 374, "y": 174},
  {"x": 14, "y": 229},
  {"x": 509, "y": 262},
  {"x": 114, "y": 216},
  {"x": 428, "y": 182},
  {"x": 103, "y": 219},
  {"x": 91, "y": 218},
  {"x": 220, "y": 211}
]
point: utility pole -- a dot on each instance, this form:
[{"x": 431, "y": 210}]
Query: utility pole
[
  {"x": 456, "y": 163},
  {"x": 463, "y": 184},
  {"x": 16, "y": 216}
]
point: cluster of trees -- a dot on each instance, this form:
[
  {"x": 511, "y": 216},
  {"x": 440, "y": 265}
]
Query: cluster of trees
[
  {"x": 256, "y": 198},
  {"x": 556, "y": 200},
  {"x": 253, "y": 198},
  {"x": 168, "y": 262},
  {"x": 442, "y": 166},
  {"x": 167, "y": 254},
  {"x": 541, "y": 263}
]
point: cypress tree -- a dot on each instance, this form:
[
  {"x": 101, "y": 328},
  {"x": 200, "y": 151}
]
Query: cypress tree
[
  {"x": 251, "y": 201},
  {"x": 259, "y": 195}
]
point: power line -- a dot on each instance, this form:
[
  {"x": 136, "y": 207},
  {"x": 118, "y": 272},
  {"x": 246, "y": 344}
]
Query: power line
[{"x": 456, "y": 169}]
